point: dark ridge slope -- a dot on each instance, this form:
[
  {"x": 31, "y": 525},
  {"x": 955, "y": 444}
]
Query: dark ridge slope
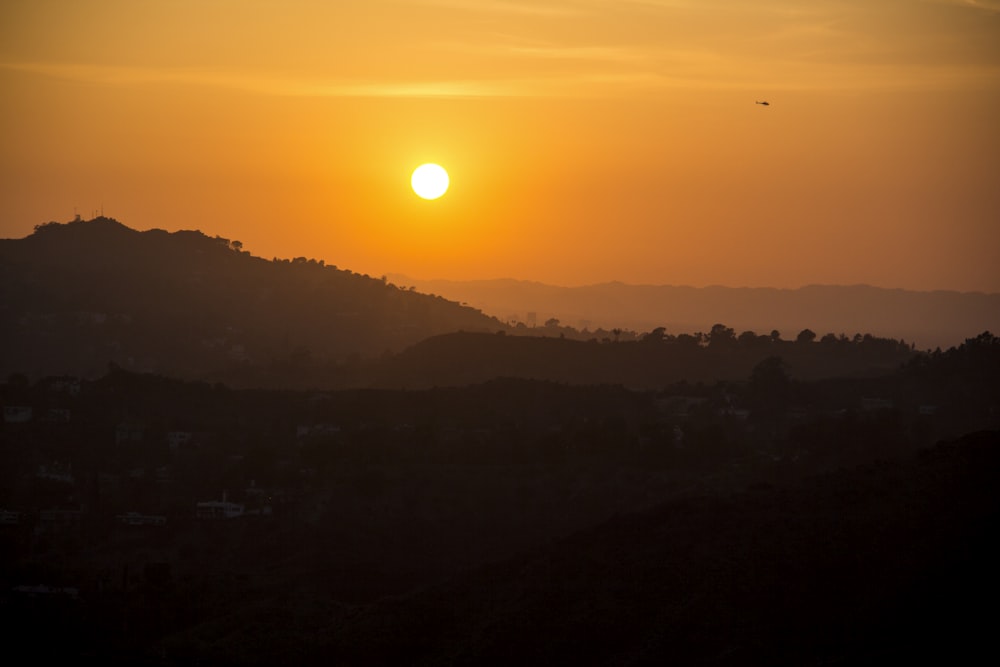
[
  {"x": 77, "y": 296},
  {"x": 928, "y": 318},
  {"x": 887, "y": 563},
  {"x": 462, "y": 358}
]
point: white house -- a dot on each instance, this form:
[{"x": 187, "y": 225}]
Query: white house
[
  {"x": 137, "y": 519},
  {"x": 176, "y": 439},
  {"x": 16, "y": 414},
  {"x": 219, "y": 509}
]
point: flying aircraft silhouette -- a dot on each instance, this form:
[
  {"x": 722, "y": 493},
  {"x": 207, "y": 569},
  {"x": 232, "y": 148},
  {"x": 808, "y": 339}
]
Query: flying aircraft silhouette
[{"x": 765, "y": 103}]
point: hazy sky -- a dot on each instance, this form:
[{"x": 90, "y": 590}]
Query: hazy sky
[{"x": 587, "y": 140}]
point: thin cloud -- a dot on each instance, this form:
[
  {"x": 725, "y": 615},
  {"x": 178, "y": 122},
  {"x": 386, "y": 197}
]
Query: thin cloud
[
  {"x": 511, "y": 47},
  {"x": 262, "y": 83},
  {"x": 984, "y": 5},
  {"x": 529, "y": 8},
  {"x": 677, "y": 69}
]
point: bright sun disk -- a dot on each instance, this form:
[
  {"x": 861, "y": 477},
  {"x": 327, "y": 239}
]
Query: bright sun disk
[{"x": 429, "y": 181}]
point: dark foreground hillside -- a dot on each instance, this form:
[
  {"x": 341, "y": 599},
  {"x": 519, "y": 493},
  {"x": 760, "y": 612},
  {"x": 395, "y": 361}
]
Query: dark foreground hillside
[
  {"x": 463, "y": 358},
  {"x": 885, "y": 564},
  {"x": 889, "y": 562},
  {"x": 146, "y": 520}
]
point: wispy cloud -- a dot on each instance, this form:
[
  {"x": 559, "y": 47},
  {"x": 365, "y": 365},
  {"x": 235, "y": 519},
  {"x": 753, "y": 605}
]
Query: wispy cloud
[
  {"x": 524, "y": 8},
  {"x": 597, "y": 71},
  {"x": 509, "y": 46},
  {"x": 984, "y": 5},
  {"x": 262, "y": 83},
  {"x": 575, "y": 85}
]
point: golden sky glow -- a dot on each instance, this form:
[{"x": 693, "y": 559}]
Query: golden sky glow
[{"x": 587, "y": 140}]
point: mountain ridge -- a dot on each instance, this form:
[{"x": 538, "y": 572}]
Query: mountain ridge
[
  {"x": 86, "y": 295},
  {"x": 934, "y": 318},
  {"x": 82, "y": 294}
]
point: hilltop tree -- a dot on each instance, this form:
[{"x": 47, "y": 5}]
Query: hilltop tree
[
  {"x": 805, "y": 336},
  {"x": 769, "y": 388},
  {"x": 721, "y": 336},
  {"x": 689, "y": 340},
  {"x": 655, "y": 336}
]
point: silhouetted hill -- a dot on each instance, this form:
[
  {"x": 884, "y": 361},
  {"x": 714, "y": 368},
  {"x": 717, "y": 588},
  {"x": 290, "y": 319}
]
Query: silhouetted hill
[
  {"x": 462, "y": 358},
  {"x": 929, "y": 319},
  {"x": 513, "y": 521},
  {"x": 76, "y": 296},
  {"x": 888, "y": 563}
]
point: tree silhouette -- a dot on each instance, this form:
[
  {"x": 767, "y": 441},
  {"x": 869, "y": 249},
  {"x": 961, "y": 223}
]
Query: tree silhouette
[
  {"x": 721, "y": 336},
  {"x": 769, "y": 388},
  {"x": 805, "y": 336},
  {"x": 655, "y": 336}
]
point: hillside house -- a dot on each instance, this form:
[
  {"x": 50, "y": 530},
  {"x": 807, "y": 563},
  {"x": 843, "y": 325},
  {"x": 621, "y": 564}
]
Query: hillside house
[
  {"x": 178, "y": 439},
  {"x": 55, "y": 520},
  {"x": 56, "y": 472},
  {"x": 57, "y": 416},
  {"x": 63, "y": 385},
  {"x": 219, "y": 509},
  {"x": 129, "y": 432},
  {"x": 871, "y": 403},
  {"x": 16, "y": 414},
  {"x": 137, "y": 519},
  {"x": 9, "y": 518}
]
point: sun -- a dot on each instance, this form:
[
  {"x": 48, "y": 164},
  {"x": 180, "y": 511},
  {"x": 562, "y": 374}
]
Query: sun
[{"x": 429, "y": 181}]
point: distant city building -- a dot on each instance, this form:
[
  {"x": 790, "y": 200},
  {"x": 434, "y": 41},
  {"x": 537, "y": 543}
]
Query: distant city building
[
  {"x": 58, "y": 519},
  {"x": 532, "y": 319},
  {"x": 178, "y": 438},
  {"x": 9, "y": 518},
  {"x": 137, "y": 519},
  {"x": 677, "y": 406},
  {"x": 16, "y": 414},
  {"x": 57, "y": 416},
  {"x": 64, "y": 385},
  {"x": 316, "y": 430},
  {"x": 875, "y": 403},
  {"x": 56, "y": 472},
  {"x": 42, "y": 590},
  {"x": 219, "y": 509},
  {"x": 128, "y": 432}
]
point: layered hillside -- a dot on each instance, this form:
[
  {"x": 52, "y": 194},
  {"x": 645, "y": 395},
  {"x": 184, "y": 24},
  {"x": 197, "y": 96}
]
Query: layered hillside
[
  {"x": 927, "y": 318},
  {"x": 463, "y": 358},
  {"x": 79, "y": 296},
  {"x": 874, "y": 565}
]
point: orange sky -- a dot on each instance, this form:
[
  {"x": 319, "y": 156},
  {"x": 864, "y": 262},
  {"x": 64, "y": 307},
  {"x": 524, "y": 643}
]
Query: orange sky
[{"x": 587, "y": 140}]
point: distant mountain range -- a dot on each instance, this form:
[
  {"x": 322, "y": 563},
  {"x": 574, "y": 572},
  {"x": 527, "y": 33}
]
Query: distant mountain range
[{"x": 927, "y": 319}]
